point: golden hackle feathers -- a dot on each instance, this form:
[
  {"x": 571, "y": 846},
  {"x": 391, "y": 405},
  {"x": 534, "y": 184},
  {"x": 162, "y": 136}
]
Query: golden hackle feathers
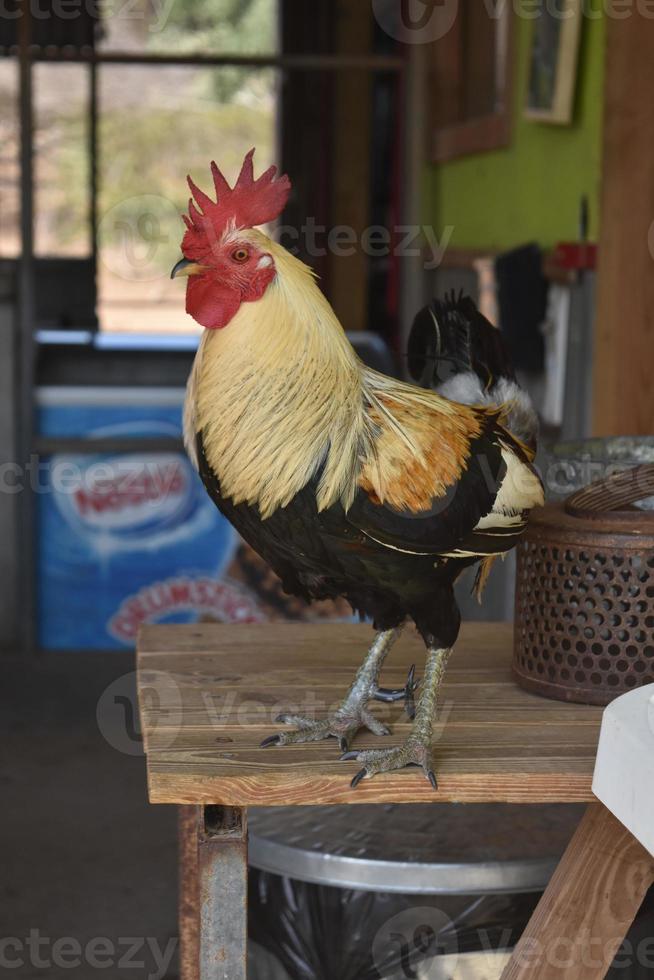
[{"x": 280, "y": 395}]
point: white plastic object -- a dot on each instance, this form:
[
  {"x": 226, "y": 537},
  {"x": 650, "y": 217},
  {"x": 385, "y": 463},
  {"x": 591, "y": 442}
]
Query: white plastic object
[{"x": 624, "y": 769}]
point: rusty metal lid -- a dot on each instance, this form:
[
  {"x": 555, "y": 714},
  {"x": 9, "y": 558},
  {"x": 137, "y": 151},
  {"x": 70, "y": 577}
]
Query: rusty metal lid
[{"x": 614, "y": 497}]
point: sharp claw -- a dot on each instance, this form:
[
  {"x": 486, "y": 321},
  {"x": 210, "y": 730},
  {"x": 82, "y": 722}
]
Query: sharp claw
[
  {"x": 411, "y": 685},
  {"x": 432, "y": 778},
  {"x": 271, "y": 740},
  {"x": 388, "y": 696},
  {"x": 348, "y": 755},
  {"x": 281, "y": 719},
  {"x": 357, "y": 779},
  {"x": 343, "y": 744}
]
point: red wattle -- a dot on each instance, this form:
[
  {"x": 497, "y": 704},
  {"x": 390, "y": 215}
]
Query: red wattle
[{"x": 212, "y": 305}]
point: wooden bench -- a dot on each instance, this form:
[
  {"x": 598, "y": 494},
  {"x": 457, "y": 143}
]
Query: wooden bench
[{"x": 208, "y": 695}]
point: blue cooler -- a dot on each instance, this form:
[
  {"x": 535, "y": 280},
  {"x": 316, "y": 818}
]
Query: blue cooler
[{"x": 130, "y": 538}]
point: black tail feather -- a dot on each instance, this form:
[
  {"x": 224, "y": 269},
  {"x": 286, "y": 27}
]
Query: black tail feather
[{"x": 451, "y": 336}]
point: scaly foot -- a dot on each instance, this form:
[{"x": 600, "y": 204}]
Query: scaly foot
[
  {"x": 348, "y": 719},
  {"x": 343, "y": 724},
  {"x": 414, "y": 752},
  {"x": 417, "y": 750},
  {"x": 352, "y": 714}
]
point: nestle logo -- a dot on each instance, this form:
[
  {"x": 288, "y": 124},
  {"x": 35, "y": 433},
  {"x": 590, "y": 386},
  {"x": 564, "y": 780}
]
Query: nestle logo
[{"x": 141, "y": 486}]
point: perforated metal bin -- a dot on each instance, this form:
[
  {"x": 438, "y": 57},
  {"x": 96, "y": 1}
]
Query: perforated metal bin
[{"x": 584, "y": 619}]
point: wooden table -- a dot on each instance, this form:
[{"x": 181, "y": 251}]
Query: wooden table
[{"x": 208, "y": 694}]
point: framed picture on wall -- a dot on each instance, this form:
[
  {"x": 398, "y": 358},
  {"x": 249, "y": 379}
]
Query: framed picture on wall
[{"x": 553, "y": 62}]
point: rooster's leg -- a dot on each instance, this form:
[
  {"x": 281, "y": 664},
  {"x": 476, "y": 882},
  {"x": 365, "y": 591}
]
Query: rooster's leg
[
  {"x": 417, "y": 750},
  {"x": 352, "y": 713}
]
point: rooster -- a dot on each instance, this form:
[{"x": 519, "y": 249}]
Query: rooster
[{"x": 347, "y": 482}]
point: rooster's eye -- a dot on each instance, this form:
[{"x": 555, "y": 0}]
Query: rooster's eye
[{"x": 240, "y": 255}]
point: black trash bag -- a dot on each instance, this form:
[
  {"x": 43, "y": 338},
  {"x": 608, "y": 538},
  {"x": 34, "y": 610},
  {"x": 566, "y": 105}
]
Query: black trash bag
[{"x": 324, "y": 933}]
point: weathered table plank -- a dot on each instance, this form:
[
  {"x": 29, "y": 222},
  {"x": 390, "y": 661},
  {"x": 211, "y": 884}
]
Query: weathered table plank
[{"x": 209, "y": 693}]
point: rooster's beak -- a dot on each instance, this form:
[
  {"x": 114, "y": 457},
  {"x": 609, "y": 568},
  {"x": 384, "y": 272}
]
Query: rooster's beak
[{"x": 186, "y": 268}]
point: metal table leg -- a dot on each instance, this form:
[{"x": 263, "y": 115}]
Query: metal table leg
[
  {"x": 213, "y": 893},
  {"x": 189, "y": 817}
]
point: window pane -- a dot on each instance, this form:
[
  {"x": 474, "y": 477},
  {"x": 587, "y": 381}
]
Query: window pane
[
  {"x": 157, "y": 124},
  {"x": 9, "y": 144},
  {"x": 61, "y": 160},
  {"x": 196, "y": 26}
]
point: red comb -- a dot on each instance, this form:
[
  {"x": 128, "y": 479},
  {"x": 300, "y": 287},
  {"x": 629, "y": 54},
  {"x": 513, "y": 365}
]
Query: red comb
[{"x": 250, "y": 202}]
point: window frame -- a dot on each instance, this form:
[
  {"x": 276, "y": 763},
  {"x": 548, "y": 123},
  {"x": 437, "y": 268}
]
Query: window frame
[{"x": 480, "y": 134}]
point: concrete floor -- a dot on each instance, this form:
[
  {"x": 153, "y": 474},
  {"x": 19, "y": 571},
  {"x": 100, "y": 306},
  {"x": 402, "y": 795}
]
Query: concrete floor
[{"x": 86, "y": 858}]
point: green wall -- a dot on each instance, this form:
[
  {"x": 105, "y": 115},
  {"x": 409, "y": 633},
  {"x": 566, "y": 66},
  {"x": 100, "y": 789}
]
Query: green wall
[{"x": 531, "y": 190}]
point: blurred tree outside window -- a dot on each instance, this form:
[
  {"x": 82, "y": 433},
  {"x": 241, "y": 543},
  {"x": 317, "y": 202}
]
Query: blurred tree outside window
[
  {"x": 9, "y": 157},
  {"x": 158, "y": 123},
  {"x": 61, "y": 160},
  {"x": 155, "y": 124},
  {"x": 239, "y": 27}
]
